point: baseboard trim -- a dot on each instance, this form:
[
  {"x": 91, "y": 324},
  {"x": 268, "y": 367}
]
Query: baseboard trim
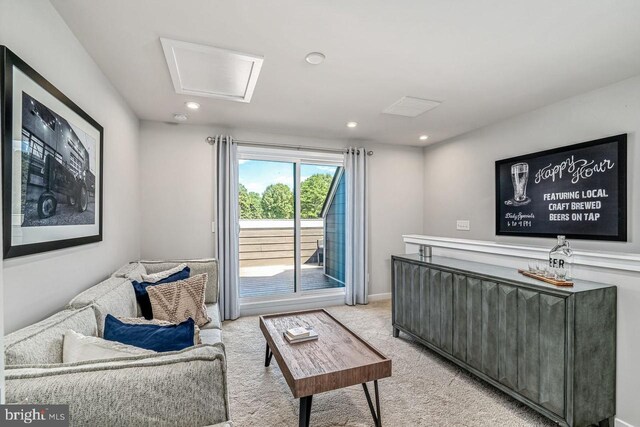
[
  {"x": 620, "y": 423},
  {"x": 607, "y": 260},
  {"x": 252, "y": 308},
  {"x": 380, "y": 297}
]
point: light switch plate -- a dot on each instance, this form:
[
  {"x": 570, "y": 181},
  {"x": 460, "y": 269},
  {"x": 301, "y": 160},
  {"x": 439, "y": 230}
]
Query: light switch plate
[
  {"x": 463, "y": 225},
  {"x": 213, "y": 226}
]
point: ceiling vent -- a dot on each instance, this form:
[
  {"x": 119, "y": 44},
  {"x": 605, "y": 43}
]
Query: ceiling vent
[
  {"x": 208, "y": 71},
  {"x": 408, "y": 106}
]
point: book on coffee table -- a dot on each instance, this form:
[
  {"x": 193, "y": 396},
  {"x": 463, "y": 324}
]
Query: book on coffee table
[
  {"x": 309, "y": 336},
  {"x": 299, "y": 332}
]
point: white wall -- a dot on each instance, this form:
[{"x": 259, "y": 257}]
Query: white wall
[
  {"x": 459, "y": 184},
  {"x": 39, "y": 285},
  {"x": 178, "y": 178},
  {"x": 459, "y": 173}
]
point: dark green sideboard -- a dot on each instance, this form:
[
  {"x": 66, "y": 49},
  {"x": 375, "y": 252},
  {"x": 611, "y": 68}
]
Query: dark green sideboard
[{"x": 552, "y": 348}]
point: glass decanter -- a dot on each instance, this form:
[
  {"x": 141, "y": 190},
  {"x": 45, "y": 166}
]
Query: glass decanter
[{"x": 561, "y": 260}]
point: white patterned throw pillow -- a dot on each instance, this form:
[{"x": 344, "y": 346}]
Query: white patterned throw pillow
[{"x": 79, "y": 348}]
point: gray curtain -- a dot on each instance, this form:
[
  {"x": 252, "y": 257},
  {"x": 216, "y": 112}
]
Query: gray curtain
[
  {"x": 227, "y": 225},
  {"x": 356, "y": 271}
]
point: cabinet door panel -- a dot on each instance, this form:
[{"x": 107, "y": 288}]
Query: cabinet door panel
[
  {"x": 424, "y": 303},
  {"x": 397, "y": 297},
  {"x": 474, "y": 322},
  {"x": 552, "y": 352},
  {"x": 446, "y": 312},
  {"x": 413, "y": 305},
  {"x": 490, "y": 329},
  {"x": 435, "y": 286},
  {"x": 402, "y": 295},
  {"x": 460, "y": 317},
  {"x": 508, "y": 335},
  {"x": 529, "y": 344}
]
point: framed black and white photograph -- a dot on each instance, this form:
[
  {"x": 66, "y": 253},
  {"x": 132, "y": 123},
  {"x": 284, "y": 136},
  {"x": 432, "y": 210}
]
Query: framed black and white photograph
[
  {"x": 51, "y": 165},
  {"x": 579, "y": 191}
]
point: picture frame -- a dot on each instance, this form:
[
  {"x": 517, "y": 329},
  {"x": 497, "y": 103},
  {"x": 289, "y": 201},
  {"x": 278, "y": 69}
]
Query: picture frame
[
  {"x": 52, "y": 164},
  {"x": 579, "y": 191}
]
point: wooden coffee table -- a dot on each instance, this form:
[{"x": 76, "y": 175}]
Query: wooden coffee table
[{"x": 338, "y": 358}]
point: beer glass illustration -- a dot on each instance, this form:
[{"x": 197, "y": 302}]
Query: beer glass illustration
[{"x": 519, "y": 179}]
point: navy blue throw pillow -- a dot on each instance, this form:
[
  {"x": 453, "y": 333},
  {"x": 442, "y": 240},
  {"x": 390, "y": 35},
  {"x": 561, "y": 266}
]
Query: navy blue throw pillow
[
  {"x": 151, "y": 337},
  {"x": 142, "y": 296}
]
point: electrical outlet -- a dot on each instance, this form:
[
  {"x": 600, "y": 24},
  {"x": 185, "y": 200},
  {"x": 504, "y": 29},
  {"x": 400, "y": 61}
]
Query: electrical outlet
[{"x": 462, "y": 225}]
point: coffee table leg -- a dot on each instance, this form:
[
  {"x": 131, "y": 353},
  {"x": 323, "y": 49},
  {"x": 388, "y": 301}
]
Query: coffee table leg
[
  {"x": 267, "y": 357},
  {"x": 377, "y": 419},
  {"x": 305, "y": 411}
]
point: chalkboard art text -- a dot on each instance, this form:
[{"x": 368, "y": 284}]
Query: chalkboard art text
[{"x": 578, "y": 191}]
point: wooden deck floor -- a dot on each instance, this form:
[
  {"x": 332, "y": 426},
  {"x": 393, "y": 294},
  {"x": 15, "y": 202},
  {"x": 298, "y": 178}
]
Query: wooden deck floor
[{"x": 280, "y": 283}]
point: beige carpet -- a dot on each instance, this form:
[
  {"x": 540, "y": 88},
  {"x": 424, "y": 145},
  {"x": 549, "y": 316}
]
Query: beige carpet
[{"x": 424, "y": 390}]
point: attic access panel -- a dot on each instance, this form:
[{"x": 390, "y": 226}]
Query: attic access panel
[
  {"x": 212, "y": 72},
  {"x": 409, "y": 106}
]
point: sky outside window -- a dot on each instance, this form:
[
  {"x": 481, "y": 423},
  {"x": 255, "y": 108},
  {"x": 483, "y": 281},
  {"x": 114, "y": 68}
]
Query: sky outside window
[
  {"x": 266, "y": 189},
  {"x": 256, "y": 175}
]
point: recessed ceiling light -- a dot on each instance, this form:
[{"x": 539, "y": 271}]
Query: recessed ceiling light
[
  {"x": 192, "y": 105},
  {"x": 424, "y": 137},
  {"x": 181, "y": 117},
  {"x": 352, "y": 124},
  {"x": 315, "y": 58}
]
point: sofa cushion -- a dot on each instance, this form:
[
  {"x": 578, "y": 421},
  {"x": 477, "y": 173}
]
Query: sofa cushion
[
  {"x": 41, "y": 342},
  {"x": 131, "y": 271},
  {"x": 213, "y": 311},
  {"x": 211, "y": 336},
  {"x": 209, "y": 266},
  {"x": 112, "y": 296}
]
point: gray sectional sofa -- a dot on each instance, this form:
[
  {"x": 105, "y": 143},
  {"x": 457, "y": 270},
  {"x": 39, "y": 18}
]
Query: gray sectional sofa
[{"x": 181, "y": 388}]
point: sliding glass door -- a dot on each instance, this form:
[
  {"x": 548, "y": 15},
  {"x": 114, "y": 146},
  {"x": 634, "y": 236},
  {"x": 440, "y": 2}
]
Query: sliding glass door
[
  {"x": 267, "y": 228},
  {"x": 318, "y": 185},
  {"x": 291, "y": 223}
]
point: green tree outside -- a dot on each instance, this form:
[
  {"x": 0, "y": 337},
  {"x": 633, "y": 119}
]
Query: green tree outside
[
  {"x": 277, "y": 202},
  {"x": 250, "y": 204},
  {"x": 313, "y": 193}
]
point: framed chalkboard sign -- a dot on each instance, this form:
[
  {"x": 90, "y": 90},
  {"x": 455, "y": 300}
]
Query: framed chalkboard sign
[{"x": 579, "y": 191}]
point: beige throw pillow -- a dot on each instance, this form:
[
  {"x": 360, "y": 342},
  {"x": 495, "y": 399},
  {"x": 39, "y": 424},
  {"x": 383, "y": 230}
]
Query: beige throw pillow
[
  {"x": 177, "y": 301},
  {"x": 143, "y": 321}
]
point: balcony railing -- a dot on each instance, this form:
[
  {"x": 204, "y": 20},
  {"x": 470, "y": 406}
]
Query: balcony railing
[{"x": 267, "y": 263}]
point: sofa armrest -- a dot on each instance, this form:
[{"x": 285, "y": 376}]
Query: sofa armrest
[
  {"x": 183, "y": 388},
  {"x": 197, "y": 266}
]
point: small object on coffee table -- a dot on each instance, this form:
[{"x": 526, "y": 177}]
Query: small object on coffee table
[
  {"x": 309, "y": 336},
  {"x": 545, "y": 279},
  {"x": 298, "y": 332}
]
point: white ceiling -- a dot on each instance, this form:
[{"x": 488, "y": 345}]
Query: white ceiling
[{"x": 486, "y": 60}]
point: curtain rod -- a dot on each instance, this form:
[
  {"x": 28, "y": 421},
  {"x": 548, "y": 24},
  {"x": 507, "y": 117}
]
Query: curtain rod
[{"x": 210, "y": 140}]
